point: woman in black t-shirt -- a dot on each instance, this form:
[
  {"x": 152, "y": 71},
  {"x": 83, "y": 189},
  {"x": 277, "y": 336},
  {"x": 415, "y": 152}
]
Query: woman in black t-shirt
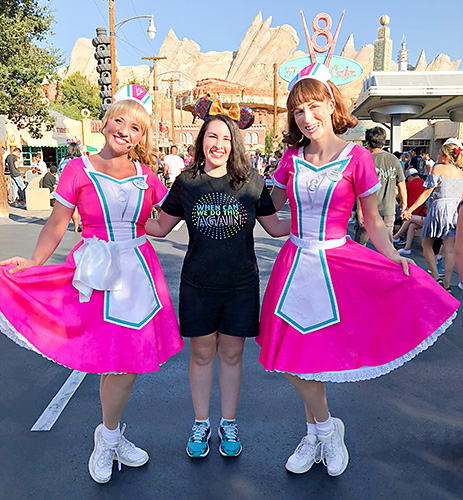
[{"x": 220, "y": 196}]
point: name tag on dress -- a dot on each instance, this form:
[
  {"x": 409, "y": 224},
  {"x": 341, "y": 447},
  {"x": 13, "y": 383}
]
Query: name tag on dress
[
  {"x": 140, "y": 183},
  {"x": 334, "y": 175}
]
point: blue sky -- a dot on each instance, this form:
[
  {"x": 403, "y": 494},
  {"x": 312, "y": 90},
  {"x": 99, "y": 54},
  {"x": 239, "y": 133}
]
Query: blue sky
[{"x": 219, "y": 25}]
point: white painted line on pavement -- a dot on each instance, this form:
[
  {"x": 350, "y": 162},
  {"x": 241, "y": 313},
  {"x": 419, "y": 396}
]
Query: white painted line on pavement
[
  {"x": 52, "y": 412},
  {"x": 179, "y": 225}
]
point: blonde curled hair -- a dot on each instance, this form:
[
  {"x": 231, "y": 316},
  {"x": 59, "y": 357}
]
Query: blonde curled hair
[
  {"x": 453, "y": 153},
  {"x": 145, "y": 150}
]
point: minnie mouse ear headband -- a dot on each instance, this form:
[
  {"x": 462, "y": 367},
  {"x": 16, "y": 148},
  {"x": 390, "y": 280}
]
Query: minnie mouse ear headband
[
  {"x": 458, "y": 146},
  {"x": 206, "y": 107},
  {"x": 74, "y": 140},
  {"x": 315, "y": 71},
  {"x": 135, "y": 93}
]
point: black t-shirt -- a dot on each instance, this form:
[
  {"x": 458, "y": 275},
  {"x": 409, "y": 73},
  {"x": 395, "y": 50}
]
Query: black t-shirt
[
  {"x": 220, "y": 223},
  {"x": 10, "y": 162},
  {"x": 419, "y": 163}
]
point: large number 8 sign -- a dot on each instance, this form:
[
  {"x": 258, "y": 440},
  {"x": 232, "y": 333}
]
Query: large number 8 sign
[{"x": 322, "y": 31}]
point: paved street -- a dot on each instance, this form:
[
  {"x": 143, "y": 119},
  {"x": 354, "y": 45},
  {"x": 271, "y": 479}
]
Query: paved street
[{"x": 404, "y": 431}]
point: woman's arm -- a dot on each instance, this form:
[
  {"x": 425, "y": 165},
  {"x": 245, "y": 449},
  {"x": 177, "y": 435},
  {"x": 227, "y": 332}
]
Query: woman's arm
[
  {"x": 459, "y": 243},
  {"x": 274, "y": 226},
  {"x": 49, "y": 238},
  {"x": 378, "y": 233},
  {"x": 279, "y": 197},
  {"x": 418, "y": 202},
  {"x": 162, "y": 226}
]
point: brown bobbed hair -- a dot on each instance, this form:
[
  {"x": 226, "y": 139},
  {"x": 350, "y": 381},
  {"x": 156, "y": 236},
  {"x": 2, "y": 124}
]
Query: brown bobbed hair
[
  {"x": 238, "y": 166},
  {"x": 307, "y": 90},
  {"x": 449, "y": 151},
  {"x": 145, "y": 150}
]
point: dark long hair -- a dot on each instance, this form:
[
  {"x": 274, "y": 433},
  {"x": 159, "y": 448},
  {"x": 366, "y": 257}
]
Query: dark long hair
[
  {"x": 238, "y": 167},
  {"x": 312, "y": 90}
]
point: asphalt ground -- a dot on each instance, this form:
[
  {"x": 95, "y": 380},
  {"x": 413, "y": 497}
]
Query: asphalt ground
[{"x": 404, "y": 431}]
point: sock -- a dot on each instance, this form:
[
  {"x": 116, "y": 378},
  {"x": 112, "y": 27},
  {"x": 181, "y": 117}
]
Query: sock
[
  {"x": 312, "y": 429},
  {"x": 222, "y": 420},
  {"x": 324, "y": 428},
  {"x": 207, "y": 422},
  {"x": 111, "y": 435}
]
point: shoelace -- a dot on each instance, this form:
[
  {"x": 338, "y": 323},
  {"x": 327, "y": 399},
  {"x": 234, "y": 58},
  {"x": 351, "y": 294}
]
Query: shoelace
[
  {"x": 328, "y": 450},
  {"x": 124, "y": 444},
  {"x": 231, "y": 432},
  {"x": 198, "y": 432},
  {"x": 107, "y": 455},
  {"x": 305, "y": 444}
]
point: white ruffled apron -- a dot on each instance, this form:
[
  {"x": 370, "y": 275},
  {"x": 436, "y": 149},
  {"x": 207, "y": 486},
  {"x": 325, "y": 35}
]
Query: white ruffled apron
[
  {"x": 308, "y": 300},
  {"x": 117, "y": 266}
]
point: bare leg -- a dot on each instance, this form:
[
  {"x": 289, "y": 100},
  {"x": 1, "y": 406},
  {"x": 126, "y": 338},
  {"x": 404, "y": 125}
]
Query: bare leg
[
  {"x": 412, "y": 227},
  {"x": 115, "y": 391},
  {"x": 429, "y": 256},
  {"x": 230, "y": 352},
  {"x": 203, "y": 351},
  {"x": 403, "y": 229},
  {"x": 314, "y": 396},
  {"x": 449, "y": 259}
]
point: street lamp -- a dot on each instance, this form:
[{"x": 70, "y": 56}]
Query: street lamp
[{"x": 112, "y": 39}]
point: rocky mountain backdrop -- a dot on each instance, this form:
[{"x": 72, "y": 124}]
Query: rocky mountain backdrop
[{"x": 251, "y": 65}]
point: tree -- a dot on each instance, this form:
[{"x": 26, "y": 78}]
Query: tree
[
  {"x": 24, "y": 65},
  {"x": 78, "y": 93}
]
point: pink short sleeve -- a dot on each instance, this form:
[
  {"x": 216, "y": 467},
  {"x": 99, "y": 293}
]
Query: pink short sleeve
[
  {"x": 160, "y": 191},
  {"x": 281, "y": 175},
  {"x": 366, "y": 180},
  {"x": 68, "y": 186}
]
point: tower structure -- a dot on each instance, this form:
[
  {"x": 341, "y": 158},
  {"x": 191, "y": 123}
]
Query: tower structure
[
  {"x": 383, "y": 47},
  {"x": 402, "y": 58}
]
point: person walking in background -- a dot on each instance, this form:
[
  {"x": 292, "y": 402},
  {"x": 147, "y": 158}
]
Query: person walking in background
[
  {"x": 13, "y": 161},
  {"x": 391, "y": 177},
  {"x": 173, "y": 165},
  {"x": 446, "y": 186}
]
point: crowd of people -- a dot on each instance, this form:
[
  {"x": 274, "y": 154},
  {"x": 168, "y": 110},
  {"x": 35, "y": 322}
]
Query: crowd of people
[
  {"x": 112, "y": 314},
  {"x": 419, "y": 196}
]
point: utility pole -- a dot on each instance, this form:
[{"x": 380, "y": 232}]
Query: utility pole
[
  {"x": 171, "y": 81},
  {"x": 112, "y": 44},
  {"x": 155, "y": 59},
  {"x": 275, "y": 99}
]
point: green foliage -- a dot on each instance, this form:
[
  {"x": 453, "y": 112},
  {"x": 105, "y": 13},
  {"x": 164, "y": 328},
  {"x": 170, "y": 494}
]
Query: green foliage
[
  {"x": 78, "y": 93},
  {"x": 269, "y": 143},
  {"x": 24, "y": 65},
  {"x": 133, "y": 81}
]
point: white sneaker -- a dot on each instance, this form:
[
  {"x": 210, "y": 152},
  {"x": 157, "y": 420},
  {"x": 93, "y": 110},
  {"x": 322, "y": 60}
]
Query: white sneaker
[
  {"x": 333, "y": 450},
  {"x": 128, "y": 453},
  {"x": 306, "y": 454},
  {"x": 402, "y": 251},
  {"x": 100, "y": 464}
]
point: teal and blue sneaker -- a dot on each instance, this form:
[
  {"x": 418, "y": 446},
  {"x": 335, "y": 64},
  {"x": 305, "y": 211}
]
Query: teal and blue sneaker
[
  {"x": 198, "y": 443},
  {"x": 230, "y": 444}
]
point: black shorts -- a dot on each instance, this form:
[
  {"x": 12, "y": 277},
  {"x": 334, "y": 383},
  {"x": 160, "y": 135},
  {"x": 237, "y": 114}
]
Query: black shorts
[{"x": 231, "y": 312}]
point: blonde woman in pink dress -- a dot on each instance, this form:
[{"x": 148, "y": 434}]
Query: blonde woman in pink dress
[
  {"x": 329, "y": 313},
  {"x": 107, "y": 310}
]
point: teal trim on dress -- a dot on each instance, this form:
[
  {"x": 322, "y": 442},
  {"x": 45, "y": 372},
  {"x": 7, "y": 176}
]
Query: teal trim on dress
[{"x": 150, "y": 316}]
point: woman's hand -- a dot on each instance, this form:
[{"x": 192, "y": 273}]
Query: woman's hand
[
  {"x": 19, "y": 262},
  {"x": 403, "y": 261},
  {"x": 406, "y": 214}
]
